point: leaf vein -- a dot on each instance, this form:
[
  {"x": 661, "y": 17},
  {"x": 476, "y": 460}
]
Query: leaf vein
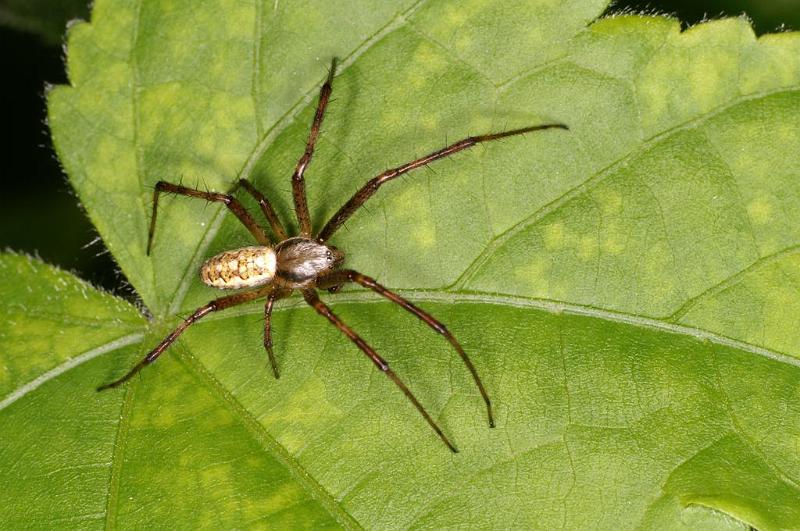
[
  {"x": 596, "y": 179},
  {"x": 269, "y": 136},
  {"x": 742, "y": 433},
  {"x": 258, "y": 30},
  {"x": 265, "y": 439},
  {"x": 731, "y": 281},
  {"x": 120, "y": 442},
  {"x": 71, "y": 363},
  {"x": 551, "y": 306}
]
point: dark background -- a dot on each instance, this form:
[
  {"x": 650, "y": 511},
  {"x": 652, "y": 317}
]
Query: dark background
[{"x": 40, "y": 215}]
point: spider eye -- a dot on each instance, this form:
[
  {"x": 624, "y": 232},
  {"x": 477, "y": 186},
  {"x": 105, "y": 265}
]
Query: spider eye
[{"x": 329, "y": 256}]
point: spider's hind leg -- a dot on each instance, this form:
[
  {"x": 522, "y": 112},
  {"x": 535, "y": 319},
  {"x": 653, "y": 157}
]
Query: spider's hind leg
[
  {"x": 274, "y": 296},
  {"x": 337, "y": 278},
  {"x": 214, "y": 306},
  {"x": 232, "y": 203},
  {"x": 314, "y": 301}
]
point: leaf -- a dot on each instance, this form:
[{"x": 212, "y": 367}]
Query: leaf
[
  {"x": 74, "y": 447},
  {"x": 626, "y": 288}
]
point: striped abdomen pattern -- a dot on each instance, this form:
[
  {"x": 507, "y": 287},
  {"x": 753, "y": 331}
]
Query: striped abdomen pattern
[{"x": 247, "y": 267}]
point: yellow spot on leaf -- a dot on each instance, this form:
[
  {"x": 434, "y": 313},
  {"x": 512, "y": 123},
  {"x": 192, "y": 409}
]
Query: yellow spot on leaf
[
  {"x": 425, "y": 237},
  {"x": 393, "y": 118},
  {"x": 534, "y": 274},
  {"x": 610, "y": 202},
  {"x": 305, "y": 409},
  {"x": 760, "y": 211},
  {"x": 429, "y": 58},
  {"x": 429, "y": 122},
  {"x": 283, "y": 496},
  {"x": 163, "y": 418},
  {"x": 554, "y": 235},
  {"x": 613, "y": 244},
  {"x": 463, "y": 43},
  {"x": 587, "y": 248},
  {"x": 455, "y": 16}
]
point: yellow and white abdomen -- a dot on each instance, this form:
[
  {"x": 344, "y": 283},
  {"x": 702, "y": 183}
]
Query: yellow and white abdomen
[{"x": 247, "y": 267}]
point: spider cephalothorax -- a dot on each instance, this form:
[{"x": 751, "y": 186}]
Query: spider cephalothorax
[
  {"x": 306, "y": 262},
  {"x": 301, "y": 261}
]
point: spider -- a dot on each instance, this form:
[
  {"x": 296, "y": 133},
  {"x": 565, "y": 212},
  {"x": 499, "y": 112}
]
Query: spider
[{"x": 306, "y": 262}]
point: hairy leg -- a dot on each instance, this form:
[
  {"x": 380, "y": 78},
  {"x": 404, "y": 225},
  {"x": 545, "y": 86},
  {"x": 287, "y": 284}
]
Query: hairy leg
[
  {"x": 314, "y": 301},
  {"x": 232, "y": 203},
  {"x": 369, "y": 189},
  {"x": 337, "y": 278},
  {"x": 274, "y": 296},
  {"x": 213, "y": 306},
  {"x": 298, "y": 179},
  {"x": 266, "y": 208}
]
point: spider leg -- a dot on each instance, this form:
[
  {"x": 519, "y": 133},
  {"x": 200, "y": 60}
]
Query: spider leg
[
  {"x": 367, "y": 191},
  {"x": 275, "y": 295},
  {"x": 266, "y": 208},
  {"x": 348, "y": 275},
  {"x": 298, "y": 180},
  {"x": 213, "y": 306},
  {"x": 314, "y": 301},
  {"x": 232, "y": 203}
]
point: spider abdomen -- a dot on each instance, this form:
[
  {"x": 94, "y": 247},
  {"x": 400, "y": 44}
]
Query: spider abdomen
[{"x": 247, "y": 267}]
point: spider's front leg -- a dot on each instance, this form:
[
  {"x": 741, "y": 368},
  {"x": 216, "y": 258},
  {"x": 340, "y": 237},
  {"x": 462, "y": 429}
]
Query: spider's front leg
[
  {"x": 298, "y": 179},
  {"x": 372, "y": 186},
  {"x": 214, "y": 306}
]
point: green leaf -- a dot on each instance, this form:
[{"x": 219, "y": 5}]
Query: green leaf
[
  {"x": 70, "y": 454},
  {"x": 625, "y": 288}
]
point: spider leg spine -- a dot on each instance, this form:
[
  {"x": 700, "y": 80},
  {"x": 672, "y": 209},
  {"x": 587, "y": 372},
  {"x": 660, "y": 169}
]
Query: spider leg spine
[
  {"x": 348, "y": 275},
  {"x": 368, "y": 189},
  {"x": 314, "y": 301},
  {"x": 216, "y": 305},
  {"x": 233, "y": 204}
]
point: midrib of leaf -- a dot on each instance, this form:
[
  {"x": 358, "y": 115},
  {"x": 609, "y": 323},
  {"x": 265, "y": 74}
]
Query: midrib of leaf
[
  {"x": 71, "y": 363},
  {"x": 599, "y": 177},
  {"x": 263, "y": 438},
  {"x": 268, "y": 137},
  {"x": 551, "y": 306}
]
